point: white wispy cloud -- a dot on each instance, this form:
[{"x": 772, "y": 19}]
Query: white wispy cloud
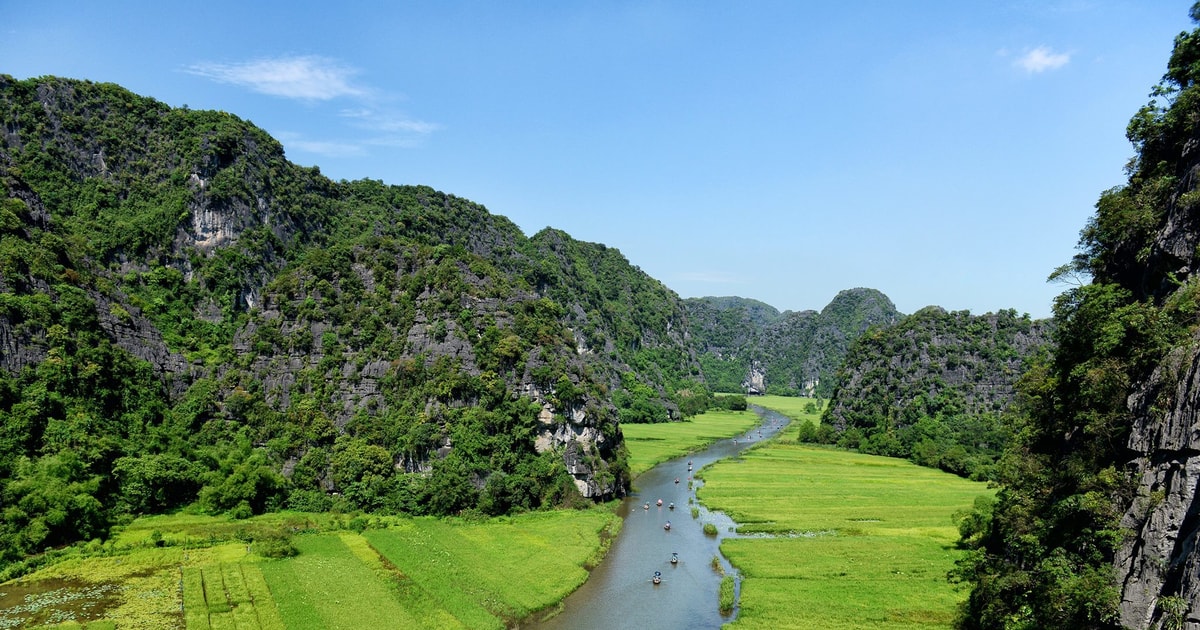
[
  {"x": 1041, "y": 59},
  {"x": 308, "y": 77},
  {"x": 368, "y": 119},
  {"x": 388, "y": 122}
]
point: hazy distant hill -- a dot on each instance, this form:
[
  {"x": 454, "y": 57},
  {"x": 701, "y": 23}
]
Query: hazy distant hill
[{"x": 746, "y": 345}]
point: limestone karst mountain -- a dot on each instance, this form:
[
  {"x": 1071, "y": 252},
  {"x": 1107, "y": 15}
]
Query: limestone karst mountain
[
  {"x": 187, "y": 315},
  {"x": 746, "y": 345}
]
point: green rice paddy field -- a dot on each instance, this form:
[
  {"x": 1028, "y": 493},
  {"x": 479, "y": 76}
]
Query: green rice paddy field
[
  {"x": 847, "y": 540},
  {"x": 418, "y": 573},
  {"x": 793, "y": 407}
]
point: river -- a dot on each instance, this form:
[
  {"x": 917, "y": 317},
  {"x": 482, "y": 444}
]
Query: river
[{"x": 619, "y": 592}]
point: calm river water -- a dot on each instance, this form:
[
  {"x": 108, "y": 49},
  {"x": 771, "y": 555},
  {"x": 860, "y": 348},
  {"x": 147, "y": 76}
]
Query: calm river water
[{"x": 620, "y": 594}]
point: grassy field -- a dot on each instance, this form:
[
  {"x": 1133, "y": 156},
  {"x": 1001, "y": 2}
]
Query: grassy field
[
  {"x": 653, "y": 444},
  {"x": 415, "y": 573},
  {"x": 856, "y": 541},
  {"x": 792, "y": 407}
]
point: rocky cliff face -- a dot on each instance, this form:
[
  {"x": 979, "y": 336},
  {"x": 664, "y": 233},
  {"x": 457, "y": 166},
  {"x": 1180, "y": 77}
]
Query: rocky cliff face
[
  {"x": 1102, "y": 492},
  {"x": 1159, "y": 557},
  {"x": 1158, "y": 563}
]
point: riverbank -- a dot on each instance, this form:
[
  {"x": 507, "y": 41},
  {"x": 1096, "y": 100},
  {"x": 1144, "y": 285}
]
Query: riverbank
[{"x": 687, "y": 594}]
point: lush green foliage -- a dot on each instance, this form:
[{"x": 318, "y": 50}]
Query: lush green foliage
[
  {"x": 1042, "y": 555},
  {"x": 935, "y": 388},
  {"x": 726, "y": 596}
]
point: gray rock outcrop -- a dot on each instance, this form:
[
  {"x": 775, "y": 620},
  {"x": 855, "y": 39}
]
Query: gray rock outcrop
[{"x": 1158, "y": 556}]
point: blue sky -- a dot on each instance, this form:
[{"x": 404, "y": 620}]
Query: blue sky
[{"x": 943, "y": 152}]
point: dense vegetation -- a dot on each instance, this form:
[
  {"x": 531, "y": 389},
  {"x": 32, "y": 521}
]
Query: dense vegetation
[
  {"x": 935, "y": 388},
  {"x": 747, "y": 346},
  {"x": 1042, "y": 557},
  {"x": 187, "y": 317}
]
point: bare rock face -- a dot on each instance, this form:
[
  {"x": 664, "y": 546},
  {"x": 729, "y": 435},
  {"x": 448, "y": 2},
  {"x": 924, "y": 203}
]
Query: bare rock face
[
  {"x": 574, "y": 432},
  {"x": 756, "y": 379},
  {"x": 1158, "y": 557}
]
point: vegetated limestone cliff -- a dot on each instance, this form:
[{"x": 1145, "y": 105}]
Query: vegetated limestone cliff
[
  {"x": 388, "y": 346},
  {"x": 934, "y": 387},
  {"x": 1098, "y": 518},
  {"x": 947, "y": 360},
  {"x": 750, "y": 346}
]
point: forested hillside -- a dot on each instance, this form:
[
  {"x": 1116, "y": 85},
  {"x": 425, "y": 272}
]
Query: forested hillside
[
  {"x": 186, "y": 316},
  {"x": 747, "y": 346},
  {"x": 936, "y": 388},
  {"x": 1096, "y": 523}
]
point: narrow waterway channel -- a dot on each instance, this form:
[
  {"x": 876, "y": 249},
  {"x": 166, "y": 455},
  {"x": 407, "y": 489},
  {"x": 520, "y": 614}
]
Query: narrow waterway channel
[{"x": 620, "y": 592}]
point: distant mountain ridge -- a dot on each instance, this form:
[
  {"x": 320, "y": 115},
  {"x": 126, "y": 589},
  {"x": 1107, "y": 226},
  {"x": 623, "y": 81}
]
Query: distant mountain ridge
[{"x": 746, "y": 345}]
